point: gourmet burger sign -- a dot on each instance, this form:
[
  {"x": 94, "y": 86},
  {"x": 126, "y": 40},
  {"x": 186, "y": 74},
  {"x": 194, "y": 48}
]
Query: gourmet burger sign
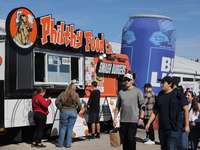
[{"x": 27, "y": 29}]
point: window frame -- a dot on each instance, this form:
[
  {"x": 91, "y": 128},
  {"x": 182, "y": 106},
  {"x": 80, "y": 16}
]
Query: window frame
[{"x": 62, "y": 85}]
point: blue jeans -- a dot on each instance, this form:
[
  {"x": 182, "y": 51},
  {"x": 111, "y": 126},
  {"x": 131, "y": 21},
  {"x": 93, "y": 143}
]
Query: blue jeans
[
  {"x": 183, "y": 143},
  {"x": 169, "y": 139},
  {"x": 68, "y": 119}
]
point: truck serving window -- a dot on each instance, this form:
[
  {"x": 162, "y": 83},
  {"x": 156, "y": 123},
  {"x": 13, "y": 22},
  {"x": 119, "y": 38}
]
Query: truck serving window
[{"x": 59, "y": 70}]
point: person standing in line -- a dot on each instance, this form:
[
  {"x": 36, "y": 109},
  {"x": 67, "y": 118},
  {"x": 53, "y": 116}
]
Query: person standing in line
[
  {"x": 40, "y": 109},
  {"x": 69, "y": 104},
  {"x": 149, "y": 98},
  {"x": 93, "y": 104},
  {"x": 169, "y": 104},
  {"x": 131, "y": 101},
  {"x": 194, "y": 109}
]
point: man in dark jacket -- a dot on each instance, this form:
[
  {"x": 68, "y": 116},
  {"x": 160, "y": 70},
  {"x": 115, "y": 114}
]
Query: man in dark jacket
[{"x": 170, "y": 129}]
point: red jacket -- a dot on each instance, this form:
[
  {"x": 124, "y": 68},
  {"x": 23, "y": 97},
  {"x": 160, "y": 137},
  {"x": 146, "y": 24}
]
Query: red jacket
[{"x": 40, "y": 104}]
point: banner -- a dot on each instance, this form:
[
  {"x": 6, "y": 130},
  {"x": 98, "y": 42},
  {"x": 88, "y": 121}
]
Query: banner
[{"x": 112, "y": 101}]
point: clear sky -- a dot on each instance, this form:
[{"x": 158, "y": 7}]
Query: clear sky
[{"x": 110, "y": 16}]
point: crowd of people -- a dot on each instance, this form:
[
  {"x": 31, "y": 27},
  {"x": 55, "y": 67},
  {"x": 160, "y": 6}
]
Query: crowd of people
[
  {"x": 178, "y": 114},
  {"x": 69, "y": 104}
]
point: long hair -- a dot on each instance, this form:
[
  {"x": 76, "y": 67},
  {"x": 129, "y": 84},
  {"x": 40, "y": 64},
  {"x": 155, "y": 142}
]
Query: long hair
[
  {"x": 70, "y": 94},
  {"x": 194, "y": 102},
  {"x": 39, "y": 90}
]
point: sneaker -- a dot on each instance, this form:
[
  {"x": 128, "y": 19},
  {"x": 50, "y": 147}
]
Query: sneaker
[
  {"x": 92, "y": 137},
  {"x": 58, "y": 146},
  {"x": 145, "y": 139},
  {"x": 67, "y": 146},
  {"x": 149, "y": 142},
  {"x": 33, "y": 145},
  {"x": 97, "y": 136},
  {"x": 41, "y": 146}
]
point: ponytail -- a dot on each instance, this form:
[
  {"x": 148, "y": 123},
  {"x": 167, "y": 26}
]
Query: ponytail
[{"x": 39, "y": 90}]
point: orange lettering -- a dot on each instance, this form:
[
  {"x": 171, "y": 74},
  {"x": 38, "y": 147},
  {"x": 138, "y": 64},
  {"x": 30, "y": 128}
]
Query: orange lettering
[
  {"x": 108, "y": 47},
  {"x": 92, "y": 43},
  {"x": 61, "y": 34},
  {"x": 45, "y": 22},
  {"x": 97, "y": 45},
  {"x": 88, "y": 35},
  {"x": 102, "y": 43},
  {"x": 53, "y": 35},
  {"x": 73, "y": 37},
  {"x": 58, "y": 34},
  {"x": 67, "y": 35},
  {"x": 79, "y": 38}
]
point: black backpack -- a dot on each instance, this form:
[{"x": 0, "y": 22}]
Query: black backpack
[{"x": 175, "y": 108}]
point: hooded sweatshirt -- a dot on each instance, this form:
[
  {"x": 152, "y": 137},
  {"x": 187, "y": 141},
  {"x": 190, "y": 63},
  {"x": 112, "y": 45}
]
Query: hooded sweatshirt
[{"x": 40, "y": 104}]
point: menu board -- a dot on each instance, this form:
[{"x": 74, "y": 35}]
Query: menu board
[
  {"x": 90, "y": 74},
  {"x": 80, "y": 128},
  {"x": 112, "y": 101},
  {"x": 89, "y": 70}
]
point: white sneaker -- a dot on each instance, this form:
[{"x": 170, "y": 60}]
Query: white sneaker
[
  {"x": 149, "y": 142},
  {"x": 145, "y": 139}
]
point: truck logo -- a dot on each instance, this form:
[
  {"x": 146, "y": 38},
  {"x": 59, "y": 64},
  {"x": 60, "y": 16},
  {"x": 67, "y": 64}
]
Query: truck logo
[{"x": 21, "y": 28}]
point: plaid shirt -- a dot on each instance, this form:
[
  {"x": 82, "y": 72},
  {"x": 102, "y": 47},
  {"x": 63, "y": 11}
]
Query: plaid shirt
[{"x": 149, "y": 98}]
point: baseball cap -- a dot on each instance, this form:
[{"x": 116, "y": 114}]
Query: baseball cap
[
  {"x": 147, "y": 85},
  {"x": 128, "y": 75},
  {"x": 166, "y": 78}
]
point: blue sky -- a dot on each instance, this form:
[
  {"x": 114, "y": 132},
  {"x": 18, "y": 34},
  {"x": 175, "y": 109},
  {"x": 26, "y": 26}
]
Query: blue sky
[{"x": 110, "y": 16}]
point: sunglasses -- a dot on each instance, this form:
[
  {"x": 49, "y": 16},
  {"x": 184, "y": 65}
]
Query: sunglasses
[{"x": 127, "y": 80}]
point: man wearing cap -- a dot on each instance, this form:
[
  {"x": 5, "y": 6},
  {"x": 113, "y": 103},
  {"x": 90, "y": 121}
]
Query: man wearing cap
[
  {"x": 130, "y": 100},
  {"x": 169, "y": 104},
  {"x": 149, "y": 98}
]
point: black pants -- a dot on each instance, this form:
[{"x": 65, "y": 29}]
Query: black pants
[
  {"x": 40, "y": 121},
  {"x": 149, "y": 134},
  {"x": 127, "y": 134}
]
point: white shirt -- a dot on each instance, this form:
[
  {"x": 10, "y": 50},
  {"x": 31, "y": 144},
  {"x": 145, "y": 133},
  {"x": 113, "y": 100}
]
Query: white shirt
[{"x": 192, "y": 115}]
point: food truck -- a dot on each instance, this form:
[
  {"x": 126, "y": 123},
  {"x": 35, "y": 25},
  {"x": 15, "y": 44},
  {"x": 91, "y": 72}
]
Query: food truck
[{"x": 38, "y": 52}]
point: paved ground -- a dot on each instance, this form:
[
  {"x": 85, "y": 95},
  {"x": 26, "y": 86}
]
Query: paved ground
[{"x": 84, "y": 144}]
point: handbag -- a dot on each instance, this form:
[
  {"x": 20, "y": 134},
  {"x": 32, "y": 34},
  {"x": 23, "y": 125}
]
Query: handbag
[{"x": 115, "y": 140}]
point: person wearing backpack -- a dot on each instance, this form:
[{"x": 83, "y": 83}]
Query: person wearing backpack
[{"x": 169, "y": 104}]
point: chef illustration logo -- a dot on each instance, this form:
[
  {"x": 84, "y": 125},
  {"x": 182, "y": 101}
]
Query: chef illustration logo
[{"x": 22, "y": 28}]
